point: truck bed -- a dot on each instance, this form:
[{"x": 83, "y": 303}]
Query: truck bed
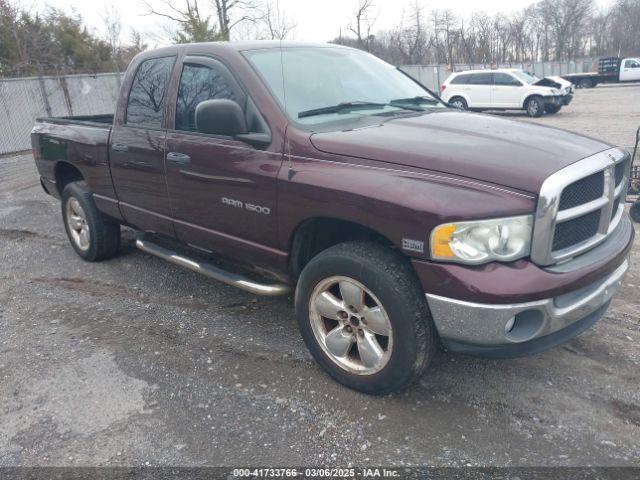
[{"x": 69, "y": 147}]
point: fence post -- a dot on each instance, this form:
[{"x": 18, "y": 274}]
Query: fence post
[
  {"x": 45, "y": 97},
  {"x": 65, "y": 91}
]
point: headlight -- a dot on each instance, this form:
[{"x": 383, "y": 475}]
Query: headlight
[{"x": 502, "y": 239}]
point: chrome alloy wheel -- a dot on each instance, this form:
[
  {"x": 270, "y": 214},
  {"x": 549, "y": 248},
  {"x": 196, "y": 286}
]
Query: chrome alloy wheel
[
  {"x": 77, "y": 223},
  {"x": 351, "y": 325}
]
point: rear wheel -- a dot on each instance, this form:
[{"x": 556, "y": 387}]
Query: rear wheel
[
  {"x": 586, "y": 83},
  {"x": 364, "y": 317},
  {"x": 534, "y": 107},
  {"x": 459, "y": 102},
  {"x": 91, "y": 234},
  {"x": 552, "y": 109}
]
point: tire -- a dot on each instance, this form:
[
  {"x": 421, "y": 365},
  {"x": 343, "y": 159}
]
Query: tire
[
  {"x": 551, "y": 109},
  {"x": 459, "y": 102},
  {"x": 634, "y": 211},
  {"x": 388, "y": 282},
  {"x": 534, "y": 107},
  {"x": 91, "y": 235},
  {"x": 586, "y": 83}
]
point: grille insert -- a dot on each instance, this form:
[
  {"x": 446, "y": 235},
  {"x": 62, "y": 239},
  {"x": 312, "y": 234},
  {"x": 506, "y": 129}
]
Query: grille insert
[
  {"x": 575, "y": 231},
  {"x": 582, "y": 191}
]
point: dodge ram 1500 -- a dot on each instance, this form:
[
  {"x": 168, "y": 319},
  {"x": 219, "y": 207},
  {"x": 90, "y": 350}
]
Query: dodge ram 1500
[{"x": 402, "y": 224}]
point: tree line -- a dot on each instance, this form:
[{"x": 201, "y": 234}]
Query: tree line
[
  {"x": 549, "y": 30},
  {"x": 57, "y": 42}
]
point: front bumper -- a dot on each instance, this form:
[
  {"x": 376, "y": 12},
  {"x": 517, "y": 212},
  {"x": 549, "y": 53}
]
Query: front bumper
[
  {"x": 567, "y": 98},
  {"x": 507, "y": 330},
  {"x": 508, "y": 310},
  {"x": 554, "y": 100}
]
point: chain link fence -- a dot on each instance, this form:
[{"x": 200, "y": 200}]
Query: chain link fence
[{"x": 22, "y": 100}]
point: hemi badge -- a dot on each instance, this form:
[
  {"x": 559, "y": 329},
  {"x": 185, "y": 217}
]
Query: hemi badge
[{"x": 412, "y": 245}]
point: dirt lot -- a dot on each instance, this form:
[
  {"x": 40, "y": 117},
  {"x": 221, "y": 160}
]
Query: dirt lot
[{"x": 134, "y": 360}]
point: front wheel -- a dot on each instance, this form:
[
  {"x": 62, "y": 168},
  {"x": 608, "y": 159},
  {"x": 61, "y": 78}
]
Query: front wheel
[
  {"x": 534, "y": 107},
  {"x": 93, "y": 236},
  {"x": 364, "y": 317}
]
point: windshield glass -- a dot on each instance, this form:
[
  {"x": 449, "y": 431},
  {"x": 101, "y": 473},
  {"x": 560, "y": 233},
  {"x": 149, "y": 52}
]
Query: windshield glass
[
  {"x": 524, "y": 76},
  {"x": 311, "y": 78}
]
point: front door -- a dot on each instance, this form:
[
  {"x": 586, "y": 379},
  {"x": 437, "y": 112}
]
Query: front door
[
  {"x": 137, "y": 150},
  {"x": 630, "y": 70},
  {"x": 222, "y": 190},
  {"x": 506, "y": 91}
]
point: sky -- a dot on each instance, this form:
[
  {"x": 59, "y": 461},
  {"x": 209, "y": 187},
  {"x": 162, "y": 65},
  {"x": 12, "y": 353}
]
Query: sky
[{"x": 316, "y": 20}]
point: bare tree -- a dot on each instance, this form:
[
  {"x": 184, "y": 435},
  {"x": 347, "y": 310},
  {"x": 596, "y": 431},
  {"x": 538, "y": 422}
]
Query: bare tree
[
  {"x": 193, "y": 26},
  {"x": 364, "y": 22},
  {"x": 233, "y": 12},
  {"x": 277, "y": 24},
  {"x": 113, "y": 28}
]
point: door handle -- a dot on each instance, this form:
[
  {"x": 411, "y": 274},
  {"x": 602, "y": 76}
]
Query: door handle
[
  {"x": 120, "y": 147},
  {"x": 179, "y": 158}
]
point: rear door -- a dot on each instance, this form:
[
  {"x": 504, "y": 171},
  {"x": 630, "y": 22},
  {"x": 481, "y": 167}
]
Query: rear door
[
  {"x": 630, "y": 70},
  {"x": 506, "y": 91},
  {"x": 478, "y": 89},
  {"x": 222, "y": 190},
  {"x": 137, "y": 150}
]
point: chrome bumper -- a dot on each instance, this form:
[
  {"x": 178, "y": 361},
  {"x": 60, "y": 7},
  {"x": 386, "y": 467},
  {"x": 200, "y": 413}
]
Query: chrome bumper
[{"x": 496, "y": 325}]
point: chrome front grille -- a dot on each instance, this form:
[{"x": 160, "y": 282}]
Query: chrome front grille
[{"x": 579, "y": 206}]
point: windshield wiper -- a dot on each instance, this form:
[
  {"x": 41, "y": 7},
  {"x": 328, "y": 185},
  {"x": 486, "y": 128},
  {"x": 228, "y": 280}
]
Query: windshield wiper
[
  {"x": 415, "y": 100},
  {"x": 341, "y": 107}
]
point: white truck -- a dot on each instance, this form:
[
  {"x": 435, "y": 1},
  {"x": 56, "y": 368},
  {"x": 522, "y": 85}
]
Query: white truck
[{"x": 610, "y": 70}]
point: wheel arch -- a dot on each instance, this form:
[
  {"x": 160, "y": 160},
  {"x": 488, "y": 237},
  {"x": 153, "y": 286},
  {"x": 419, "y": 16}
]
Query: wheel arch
[
  {"x": 65, "y": 172},
  {"x": 315, "y": 234},
  {"x": 528, "y": 97}
]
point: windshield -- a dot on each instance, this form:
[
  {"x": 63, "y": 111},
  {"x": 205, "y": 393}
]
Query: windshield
[
  {"x": 336, "y": 83},
  {"x": 524, "y": 76}
]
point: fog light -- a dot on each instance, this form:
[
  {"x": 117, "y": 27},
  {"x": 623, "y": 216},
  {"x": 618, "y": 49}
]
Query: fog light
[{"x": 524, "y": 326}]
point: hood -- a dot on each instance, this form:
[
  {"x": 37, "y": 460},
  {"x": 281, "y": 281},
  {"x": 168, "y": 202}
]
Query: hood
[
  {"x": 553, "y": 82},
  {"x": 488, "y": 148}
]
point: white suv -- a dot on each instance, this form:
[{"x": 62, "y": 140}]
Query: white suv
[{"x": 503, "y": 89}]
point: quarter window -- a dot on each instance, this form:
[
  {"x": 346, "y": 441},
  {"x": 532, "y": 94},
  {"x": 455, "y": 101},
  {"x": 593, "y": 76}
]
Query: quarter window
[
  {"x": 197, "y": 84},
  {"x": 148, "y": 93},
  {"x": 460, "y": 79}
]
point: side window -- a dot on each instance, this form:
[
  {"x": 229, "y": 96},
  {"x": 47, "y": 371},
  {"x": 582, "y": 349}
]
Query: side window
[
  {"x": 505, "y": 79},
  {"x": 631, "y": 64},
  {"x": 460, "y": 80},
  {"x": 148, "y": 93},
  {"x": 197, "y": 84},
  {"x": 480, "y": 79}
]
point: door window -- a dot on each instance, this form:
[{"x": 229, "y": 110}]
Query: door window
[
  {"x": 147, "y": 97},
  {"x": 505, "y": 79},
  {"x": 631, "y": 64},
  {"x": 481, "y": 79},
  {"x": 197, "y": 84}
]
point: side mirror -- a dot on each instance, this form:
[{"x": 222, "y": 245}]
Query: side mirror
[{"x": 220, "y": 117}]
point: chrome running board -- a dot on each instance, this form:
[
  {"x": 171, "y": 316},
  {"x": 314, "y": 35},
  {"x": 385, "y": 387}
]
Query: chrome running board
[{"x": 145, "y": 244}]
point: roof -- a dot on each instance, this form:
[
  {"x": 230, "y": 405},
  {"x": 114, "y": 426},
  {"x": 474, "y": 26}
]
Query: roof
[{"x": 489, "y": 70}]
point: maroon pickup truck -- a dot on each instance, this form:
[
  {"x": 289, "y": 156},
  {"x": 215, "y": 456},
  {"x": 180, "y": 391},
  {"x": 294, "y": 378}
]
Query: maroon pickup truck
[{"x": 402, "y": 223}]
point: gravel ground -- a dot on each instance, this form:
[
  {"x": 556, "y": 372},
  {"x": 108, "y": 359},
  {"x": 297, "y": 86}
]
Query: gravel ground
[{"x": 135, "y": 361}]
